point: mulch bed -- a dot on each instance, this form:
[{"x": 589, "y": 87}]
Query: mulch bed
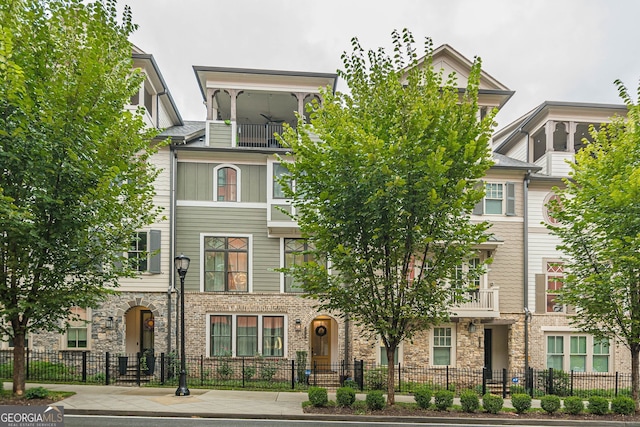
[{"x": 401, "y": 411}]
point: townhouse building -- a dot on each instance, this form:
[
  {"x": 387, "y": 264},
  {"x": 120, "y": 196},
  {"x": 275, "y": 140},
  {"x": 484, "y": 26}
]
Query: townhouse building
[{"x": 549, "y": 136}]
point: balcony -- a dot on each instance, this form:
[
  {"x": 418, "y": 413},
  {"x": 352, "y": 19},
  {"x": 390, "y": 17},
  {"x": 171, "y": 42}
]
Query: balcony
[
  {"x": 227, "y": 134},
  {"x": 483, "y": 303}
]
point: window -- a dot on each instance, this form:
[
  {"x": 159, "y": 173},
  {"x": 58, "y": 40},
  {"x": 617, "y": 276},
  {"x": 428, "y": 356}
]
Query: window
[
  {"x": 227, "y": 184},
  {"x": 272, "y": 336},
  {"x": 601, "y": 355},
  {"x": 26, "y": 341},
  {"x": 442, "y": 347},
  {"x": 246, "y": 335},
  {"x": 586, "y": 353},
  {"x": 493, "y": 199},
  {"x": 144, "y": 251},
  {"x": 545, "y": 208},
  {"x": 578, "y": 356},
  {"x": 226, "y": 264},
  {"x": 221, "y": 335},
  {"x": 555, "y": 352},
  {"x": 554, "y": 284},
  {"x": 78, "y": 329},
  {"x": 469, "y": 276},
  {"x": 295, "y": 254},
  {"x": 384, "y": 361},
  {"x": 279, "y": 171},
  {"x": 499, "y": 198}
]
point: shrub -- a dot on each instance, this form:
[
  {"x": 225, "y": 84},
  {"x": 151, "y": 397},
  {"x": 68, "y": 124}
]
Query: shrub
[
  {"x": 422, "y": 396},
  {"x": 345, "y": 396},
  {"x": 469, "y": 401},
  {"x": 376, "y": 379},
  {"x": 267, "y": 371},
  {"x": 492, "y": 403},
  {"x": 249, "y": 372},
  {"x": 36, "y": 393},
  {"x": 351, "y": 384},
  {"x": 443, "y": 399},
  {"x": 573, "y": 405},
  {"x": 623, "y": 405},
  {"x": 560, "y": 382},
  {"x": 550, "y": 403},
  {"x": 375, "y": 400},
  {"x": 301, "y": 366},
  {"x": 517, "y": 389},
  {"x": 521, "y": 402},
  {"x": 598, "y": 405},
  {"x": 318, "y": 396}
]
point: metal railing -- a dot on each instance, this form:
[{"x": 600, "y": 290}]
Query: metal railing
[
  {"x": 264, "y": 373},
  {"x": 258, "y": 135}
]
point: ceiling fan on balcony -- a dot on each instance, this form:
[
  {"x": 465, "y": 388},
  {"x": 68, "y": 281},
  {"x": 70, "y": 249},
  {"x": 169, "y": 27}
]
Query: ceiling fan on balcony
[{"x": 271, "y": 120}]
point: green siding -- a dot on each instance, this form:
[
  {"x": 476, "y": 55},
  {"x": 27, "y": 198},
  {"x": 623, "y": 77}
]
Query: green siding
[
  {"x": 219, "y": 135},
  {"x": 195, "y": 182},
  {"x": 191, "y": 221}
]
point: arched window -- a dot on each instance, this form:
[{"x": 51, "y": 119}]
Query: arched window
[{"x": 226, "y": 187}]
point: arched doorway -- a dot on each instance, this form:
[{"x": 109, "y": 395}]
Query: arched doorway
[
  {"x": 323, "y": 342},
  {"x": 140, "y": 330}
]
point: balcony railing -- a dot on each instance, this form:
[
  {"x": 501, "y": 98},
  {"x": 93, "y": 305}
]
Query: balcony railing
[
  {"x": 258, "y": 136},
  {"x": 481, "y": 303}
]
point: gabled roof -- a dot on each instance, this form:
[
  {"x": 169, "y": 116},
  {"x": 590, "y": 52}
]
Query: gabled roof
[
  {"x": 581, "y": 111},
  {"x": 155, "y": 76},
  {"x": 182, "y": 134},
  {"x": 449, "y": 60}
]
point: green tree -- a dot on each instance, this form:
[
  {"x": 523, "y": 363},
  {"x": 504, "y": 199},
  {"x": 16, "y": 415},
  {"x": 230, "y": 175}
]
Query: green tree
[
  {"x": 385, "y": 179},
  {"x": 74, "y": 179},
  {"x": 598, "y": 215}
]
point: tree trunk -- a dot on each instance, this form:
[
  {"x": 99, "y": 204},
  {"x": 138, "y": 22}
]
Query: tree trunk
[
  {"x": 18, "y": 364},
  {"x": 391, "y": 392},
  {"x": 635, "y": 357}
]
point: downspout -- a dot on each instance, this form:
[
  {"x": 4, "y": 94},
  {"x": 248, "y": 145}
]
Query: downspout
[
  {"x": 174, "y": 160},
  {"x": 525, "y": 244},
  {"x": 170, "y": 289}
]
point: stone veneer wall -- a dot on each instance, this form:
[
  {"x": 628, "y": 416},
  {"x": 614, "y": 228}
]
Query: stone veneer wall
[
  {"x": 537, "y": 346},
  {"x": 113, "y": 340}
]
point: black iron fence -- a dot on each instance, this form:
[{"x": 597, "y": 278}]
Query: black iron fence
[{"x": 284, "y": 374}]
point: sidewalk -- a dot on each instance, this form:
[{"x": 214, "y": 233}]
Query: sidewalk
[{"x": 201, "y": 403}]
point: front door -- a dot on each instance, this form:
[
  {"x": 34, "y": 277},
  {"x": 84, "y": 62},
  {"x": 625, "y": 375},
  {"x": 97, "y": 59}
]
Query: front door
[
  {"x": 146, "y": 331},
  {"x": 488, "y": 362},
  {"x": 321, "y": 344}
]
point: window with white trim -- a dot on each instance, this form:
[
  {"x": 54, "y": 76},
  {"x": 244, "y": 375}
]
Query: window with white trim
[
  {"x": 144, "y": 251},
  {"x": 227, "y": 185},
  {"x": 383, "y": 360},
  {"x": 246, "y": 335},
  {"x": 578, "y": 353},
  {"x": 226, "y": 264},
  {"x": 499, "y": 199},
  {"x": 554, "y": 275},
  {"x": 296, "y": 253},
  {"x": 280, "y": 172},
  {"x": 77, "y": 335},
  {"x": 442, "y": 346}
]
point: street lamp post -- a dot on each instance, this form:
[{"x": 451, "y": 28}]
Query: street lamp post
[{"x": 182, "y": 265}]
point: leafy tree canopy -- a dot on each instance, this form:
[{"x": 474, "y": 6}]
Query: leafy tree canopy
[
  {"x": 74, "y": 179},
  {"x": 598, "y": 215},
  {"x": 385, "y": 179}
]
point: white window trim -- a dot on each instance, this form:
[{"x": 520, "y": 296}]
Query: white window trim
[
  {"x": 4, "y": 344},
  {"x": 150, "y": 250},
  {"x": 503, "y": 200},
  {"x": 238, "y": 182},
  {"x": 546, "y": 284},
  {"x": 63, "y": 337},
  {"x": 566, "y": 355},
  {"x": 234, "y": 316},
  {"x": 399, "y": 349},
  {"x": 249, "y": 259},
  {"x": 452, "y": 326}
]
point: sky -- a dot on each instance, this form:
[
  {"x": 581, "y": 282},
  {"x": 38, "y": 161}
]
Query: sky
[{"x": 544, "y": 50}]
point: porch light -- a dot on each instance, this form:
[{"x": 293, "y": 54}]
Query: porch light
[
  {"x": 109, "y": 324},
  {"x": 472, "y": 327},
  {"x": 298, "y": 325}
]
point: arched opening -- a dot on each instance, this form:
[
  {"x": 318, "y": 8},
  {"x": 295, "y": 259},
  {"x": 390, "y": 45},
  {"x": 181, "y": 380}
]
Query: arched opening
[{"x": 324, "y": 343}]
